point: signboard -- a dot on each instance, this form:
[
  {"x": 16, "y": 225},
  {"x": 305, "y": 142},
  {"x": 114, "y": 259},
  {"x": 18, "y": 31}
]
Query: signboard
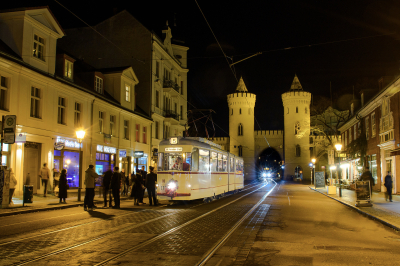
[
  {"x": 138, "y": 154},
  {"x": 362, "y": 190},
  {"x": 100, "y": 148},
  {"x": 107, "y": 138},
  {"x": 68, "y": 143},
  {"x": 20, "y": 138},
  {"x": 106, "y": 149},
  {"x": 9, "y": 125},
  {"x": 59, "y": 146},
  {"x": 122, "y": 153},
  {"x": 173, "y": 140},
  {"x": 174, "y": 149},
  {"x": 319, "y": 179}
]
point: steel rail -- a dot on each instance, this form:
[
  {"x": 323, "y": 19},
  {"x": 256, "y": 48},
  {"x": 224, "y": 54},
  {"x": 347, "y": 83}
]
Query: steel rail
[
  {"x": 211, "y": 252},
  {"x": 172, "y": 230}
]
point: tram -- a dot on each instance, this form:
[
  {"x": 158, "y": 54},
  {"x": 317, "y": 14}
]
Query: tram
[{"x": 196, "y": 168}]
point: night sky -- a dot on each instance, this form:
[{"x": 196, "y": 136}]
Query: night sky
[{"x": 244, "y": 28}]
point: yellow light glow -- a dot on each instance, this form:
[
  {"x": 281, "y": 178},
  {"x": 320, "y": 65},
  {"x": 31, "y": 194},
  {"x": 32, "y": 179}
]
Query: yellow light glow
[
  {"x": 333, "y": 167},
  {"x": 80, "y": 134},
  {"x": 68, "y": 161},
  {"x": 346, "y": 165},
  {"x": 313, "y": 160},
  {"x": 338, "y": 146}
]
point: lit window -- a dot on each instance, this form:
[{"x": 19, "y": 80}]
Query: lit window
[
  {"x": 101, "y": 122},
  {"x": 35, "y": 102},
  {"x": 3, "y": 93},
  {"x": 68, "y": 69},
  {"x": 127, "y": 93},
  {"x": 126, "y": 129},
  {"x": 38, "y": 47},
  {"x": 77, "y": 116},
  {"x": 99, "y": 84},
  {"x": 61, "y": 111}
]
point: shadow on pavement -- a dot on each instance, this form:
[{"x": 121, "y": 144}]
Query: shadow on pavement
[{"x": 100, "y": 215}]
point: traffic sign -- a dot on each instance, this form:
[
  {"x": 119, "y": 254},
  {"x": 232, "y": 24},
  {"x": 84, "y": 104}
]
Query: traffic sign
[{"x": 9, "y": 126}]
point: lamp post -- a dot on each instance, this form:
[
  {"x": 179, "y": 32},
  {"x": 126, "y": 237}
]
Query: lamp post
[
  {"x": 313, "y": 160},
  {"x": 80, "y": 134},
  {"x": 338, "y": 147}
]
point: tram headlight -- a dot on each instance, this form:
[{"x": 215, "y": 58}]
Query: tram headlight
[
  {"x": 171, "y": 185},
  {"x": 264, "y": 175},
  {"x": 269, "y": 175}
]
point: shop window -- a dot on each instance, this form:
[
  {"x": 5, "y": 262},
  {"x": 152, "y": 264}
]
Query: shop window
[
  {"x": 68, "y": 160},
  {"x": 112, "y": 125},
  {"x": 101, "y": 122},
  {"x": 61, "y": 111},
  {"x": 35, "y": 102},
  {"x": 4, "y": 93},
  {"x": 38, "y": 47},
  {"x": 145, "y": 135},
  {"x": 68, "y": 66},
  {"x": 126, "y": 129},
  {"x": 373, "y": 167},
  {"x": 77, "y": 115},
  {"x": 137, "y": 133},
  {"x": 142, "y": 162},
  {"x": 104, "y": 161}
]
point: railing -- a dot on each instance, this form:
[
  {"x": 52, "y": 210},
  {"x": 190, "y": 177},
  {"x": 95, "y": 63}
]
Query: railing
[
  {"x": 171, "y": 114},
  {"x": 171, "y": 84}
]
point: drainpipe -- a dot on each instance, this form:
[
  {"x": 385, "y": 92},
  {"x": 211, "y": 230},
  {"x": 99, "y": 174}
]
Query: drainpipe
[{"x": 91, "y": 133}]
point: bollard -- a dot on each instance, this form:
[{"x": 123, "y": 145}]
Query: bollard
[{"x": 340, "y": 190}]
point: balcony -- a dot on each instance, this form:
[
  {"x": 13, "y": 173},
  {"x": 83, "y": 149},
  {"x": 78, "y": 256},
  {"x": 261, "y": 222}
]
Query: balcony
[
  {"x": 171, "y": 116},
  {"x": 171, "y": 87}
]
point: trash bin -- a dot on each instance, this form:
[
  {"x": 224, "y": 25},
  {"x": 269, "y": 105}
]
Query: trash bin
[{"x": 28, "y": 194}]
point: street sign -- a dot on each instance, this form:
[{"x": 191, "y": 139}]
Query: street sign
[
  {"x": 138, "y": 154},
  {"x": 319, "y": 179},
  {"x": 122, "y": 153},
  {"x": 9, "y": 126}
]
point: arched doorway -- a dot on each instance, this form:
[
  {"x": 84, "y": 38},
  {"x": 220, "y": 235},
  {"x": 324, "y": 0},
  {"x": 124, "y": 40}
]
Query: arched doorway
[
  {"x": 298, "y": 173},
  {"x": 269, "y": 162}
]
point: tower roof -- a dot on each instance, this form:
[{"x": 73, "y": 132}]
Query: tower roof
[
  {"x": 296, "y": 84},
  {"x": 241, "y": 87}
]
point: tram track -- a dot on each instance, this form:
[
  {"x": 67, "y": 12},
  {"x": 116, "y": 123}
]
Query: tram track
[{"x": 129, "y": 227}]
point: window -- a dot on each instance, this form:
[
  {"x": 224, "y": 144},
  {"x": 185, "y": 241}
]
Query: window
[
  {"x": 101, "y": 122},
  {"x": 127, "y": 93},
  {"x": 77, "y": 115},
  {"x": 126, "y": 129},
  {"x": 156, "y": 129},
  {"x": 367, "y": 127},
  {"x": 240, "y": 130},
  {"x": 137, "y": 133},
  {"x": 35, "y": 102},
  {"x": 61, "y": 111},
  {"x": 167, "y": 74},
  {"x": 345, "y": 138},
  {"x": 3, "y": 93},
  {"x": 99, "y": 85},
  {"x": 298, "y": 150},
  {"x": 157, "y": 69},
  {"x": 240, "y": 150},
  {"x": 297, "y": 110},
  {"x": 68, "y": 69},
  {"x": 157, "y": 99},
  {"x": 181, "y": 112},
  {"x": 204, "y": 160},
  {"x": 181, "y": 87},
  {"x": 214, "y": 161},
  {"x": 112, "y": 125},
  {"x": 144, "y": 135},
  {"x": 373, "y": 125},
  {"x": 240, "y": 111},
  {"x": 38, "y": 47},
  {"x": 297, "y": 128}
]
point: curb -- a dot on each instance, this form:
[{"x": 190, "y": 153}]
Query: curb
[
  {"x": 48, "y": 208},
  {"x": 360, "y": 211}
]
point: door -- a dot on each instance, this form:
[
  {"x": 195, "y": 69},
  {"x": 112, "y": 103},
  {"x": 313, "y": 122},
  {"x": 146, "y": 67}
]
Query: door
[{"x": 31, "y": 166}]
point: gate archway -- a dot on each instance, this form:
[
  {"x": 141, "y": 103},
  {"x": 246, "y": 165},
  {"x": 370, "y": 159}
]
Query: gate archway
[{"x": 269, "y": 160}]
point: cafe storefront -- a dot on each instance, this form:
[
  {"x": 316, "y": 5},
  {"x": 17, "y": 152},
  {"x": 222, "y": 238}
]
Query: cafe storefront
[{"x": 66, "y": 156}]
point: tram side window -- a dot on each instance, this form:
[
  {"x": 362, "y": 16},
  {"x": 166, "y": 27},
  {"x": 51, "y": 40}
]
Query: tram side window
[
  {"x": 214, "y": 161},
  {"x": 204, "y": 160},
  {"x": 187, "y": 161},
  {"x": 195, "y": 160},
  {"x": 160, "y": 161},
  {"x": 224, "y": 163},
  {"x": 220, "y": 163},
  {"x": 239, "y": 167},
  {"x": 232, "y": 166}
]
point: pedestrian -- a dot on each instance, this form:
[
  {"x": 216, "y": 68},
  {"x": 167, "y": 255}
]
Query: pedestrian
[
  {"x": 367, "y": 176},
  {"x": 127, "y": 184},
  {"x": 151, "y": 181},
  {"x": 116, "y": 186},
  {"x": 13, "y": 183},
  {"x": 123, "y": 184},
  {"x": 90, "y": 179},
  {"x": 63, "y": 186},
  {"x": 106, "y": 186},
  {"x": 389, "y": 185},
  {"x": 144, "y": 176},
  {"x": 137, "y": 184},
  {"x": 44, "y": 174}
]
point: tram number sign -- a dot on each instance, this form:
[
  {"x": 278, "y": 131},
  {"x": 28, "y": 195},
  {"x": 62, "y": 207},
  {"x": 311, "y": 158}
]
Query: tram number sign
[{"x": 173, "y": 140}]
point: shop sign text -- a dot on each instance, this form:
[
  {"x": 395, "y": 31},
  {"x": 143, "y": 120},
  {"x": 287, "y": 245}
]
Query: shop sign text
[
  {"x": 106, "y": 149},
  {"x": 69, "y": 143}
]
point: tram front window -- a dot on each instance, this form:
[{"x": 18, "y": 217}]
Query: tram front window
[{"x": 175, "y": 161}]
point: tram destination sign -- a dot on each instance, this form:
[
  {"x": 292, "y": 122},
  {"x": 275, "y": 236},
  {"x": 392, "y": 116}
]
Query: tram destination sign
[{"x": 174, "y": 149}]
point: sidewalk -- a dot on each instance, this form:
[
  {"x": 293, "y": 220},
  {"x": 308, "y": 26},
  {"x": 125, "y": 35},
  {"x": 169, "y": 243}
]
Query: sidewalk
[{"x": 384, "y": 211}]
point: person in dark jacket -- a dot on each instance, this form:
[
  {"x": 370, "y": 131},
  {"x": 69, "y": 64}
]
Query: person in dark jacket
[
  {"x": 123, "y": 183},
  {"x": 389, "y": 185},
  {"x": 144, "y": 176},
  {"x": 137, "y": 191},
  {"x": 151, "y": 181},
  {"x": 116, "y": 186},
  {"x": 367, "y": 176},
  {"x": 106, "y": 186},
  {"x": 63, "y": 186}
]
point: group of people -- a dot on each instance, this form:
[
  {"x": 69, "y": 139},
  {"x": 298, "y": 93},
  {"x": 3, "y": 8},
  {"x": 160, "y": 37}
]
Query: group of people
[{"x": 367, "y": 176}]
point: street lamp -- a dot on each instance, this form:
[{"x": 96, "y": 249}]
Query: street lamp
[
  {"x": 313, "y": 160},
  {"x": 80, "y": 134},
  {"x": 338, "y": 147}
]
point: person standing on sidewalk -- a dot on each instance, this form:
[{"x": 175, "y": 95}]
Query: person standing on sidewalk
[
  {"x": 90, "y": 179},
  {"x": 151, "y": 181},
  {"x": 44, "y": 174},
  {"x": 13, "y": 183},
  {"x": 144, "y": 176},
  {"x": 367, "y": 176},
  {"x": 106, "y": 186},
  {"x": 389, "y": 185},
  {"x": 63, "y": 186},
  {"x": 116, "y": 186}
]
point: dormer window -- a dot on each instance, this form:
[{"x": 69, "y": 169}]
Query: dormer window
[
  {"x": 127, "y": 93},
  {"x": 38, "y": 47},
  {"x": 99, "y": 84},
  {"x": 68, "y": 67}
]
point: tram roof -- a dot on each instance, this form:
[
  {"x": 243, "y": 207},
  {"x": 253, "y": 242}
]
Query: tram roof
[{"x": 201, "y": 142}]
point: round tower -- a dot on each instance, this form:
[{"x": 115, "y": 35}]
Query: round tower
[
  {"x": 296, "y": 104},
  {"x": 241, "y": 126}
]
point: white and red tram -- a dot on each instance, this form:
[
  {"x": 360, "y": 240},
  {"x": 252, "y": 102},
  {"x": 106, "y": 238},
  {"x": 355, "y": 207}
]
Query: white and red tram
[{"x": 196, "y": 168}]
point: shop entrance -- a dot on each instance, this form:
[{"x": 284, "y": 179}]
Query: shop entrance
[
  {"x": 32, "y": 165},
  {"x": 68, "y": 160}
]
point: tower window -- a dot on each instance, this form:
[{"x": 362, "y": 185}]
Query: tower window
[
  {"x": 288, "y": 110},
  {"x": 298, "y": 150},
  {"x": 297, "y": 128},
  {"x": 232, "y": 112},
  {"x": 306, "y": 110},
  {"x": 240, "y": 130},
  {"x": 240, "y": 111},
  {"x": 240, "y": 150},
  {"x": 297, "y": 110}
]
